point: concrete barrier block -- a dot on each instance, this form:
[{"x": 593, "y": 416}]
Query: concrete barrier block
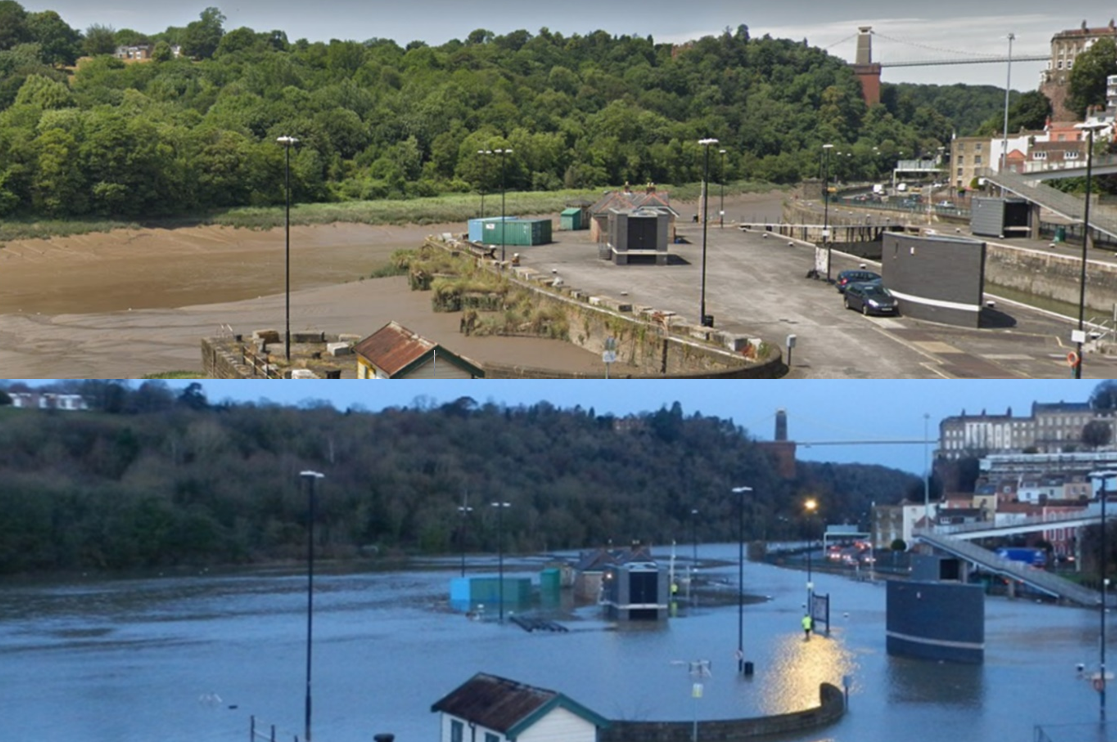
[
  {"x": 303, "y": 373},
  {"x": 338, "y": 349},
  {"x": 735, "y": 343},
  {"x": 349, "y": 338},
  {"x": 595, "y": 301}
]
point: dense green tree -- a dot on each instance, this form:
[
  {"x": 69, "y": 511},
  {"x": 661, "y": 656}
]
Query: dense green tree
[
  {"x": 1028, "y": 112},
  {"x": 1097, "y": 433},
  {"x": 148, "y": 481},
  {"x": 1087, "y": 79},
  {"x": 202, "y": 37},
  {"x": 59, "y": 44},
  {"x": 99, "y": 40},
  {"x": 13, "y": 25}
]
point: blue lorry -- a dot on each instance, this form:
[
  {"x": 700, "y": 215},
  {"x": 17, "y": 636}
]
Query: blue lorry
[{"x": 1028, "y": 555}]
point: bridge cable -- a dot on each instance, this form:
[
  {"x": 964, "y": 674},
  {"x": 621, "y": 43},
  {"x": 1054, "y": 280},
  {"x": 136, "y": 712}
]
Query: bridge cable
[{"x": 929, "y": 47}]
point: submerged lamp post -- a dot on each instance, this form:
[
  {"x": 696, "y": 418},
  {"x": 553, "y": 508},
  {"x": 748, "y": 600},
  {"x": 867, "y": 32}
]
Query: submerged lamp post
[
  {"x": 463, "y": 510},
  {"x": 1101, "y": 680},
  {"x": 311, "y": 478},
  {"x": 810, "y": 506},
  {"x": 1080, "y": 336},
  {"x": 702, "y": 318},
  {"x": 500, "y": 506},
  {"x": 288, "y": 143},
  {"x": 742, "y": 667}
]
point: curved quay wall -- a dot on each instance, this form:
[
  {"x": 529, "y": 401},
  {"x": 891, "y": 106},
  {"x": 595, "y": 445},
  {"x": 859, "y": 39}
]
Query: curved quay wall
[
  {"x": 830, "y": 710},
  {"x": 658, "y": 349}
]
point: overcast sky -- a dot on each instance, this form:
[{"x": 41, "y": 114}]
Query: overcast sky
[
  {"x": 907, "y": 31},
  {"x": 818, "y": 411}
]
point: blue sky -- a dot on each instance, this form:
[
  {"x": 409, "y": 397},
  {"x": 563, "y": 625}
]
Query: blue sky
[
  {"x": 817, "y": 410},
  {"x": 906, "y": 31}
]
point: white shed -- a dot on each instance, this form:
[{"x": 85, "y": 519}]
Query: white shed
[{"x": 487, "y": 708}]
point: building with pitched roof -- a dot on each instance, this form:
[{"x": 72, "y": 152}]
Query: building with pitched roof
[
  {"x": 627, "y": 201},
  {"x": 394, "y": 352},
  {"x": 488, "y": 708}
]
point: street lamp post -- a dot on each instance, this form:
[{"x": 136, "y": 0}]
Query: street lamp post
[
  {"x": 826, "y": 203},
  {"x": 500, "y": 506},
  {"x": 742, "y": 666},
  {"x": 1080, "y": 337},
  {"x": 463, "y": 510},
  {"x": 702, "y": 319},
  {"x": 1008, "y": 88},
  {"x": 484, "y": 153},
  {"x": 721, "y": 211},
  {"x": 502, "y": 153},
  {"x": 311, "y": 477},
  {"x": 288, "y": 143},
  {"x": 811, "y": 506},
  {"x": 927, "y": 477},
  {"x": 1104, "y": 496}
]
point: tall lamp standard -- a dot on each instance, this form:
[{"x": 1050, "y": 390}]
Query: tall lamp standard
[
  {"x": 502, "y": 153},
  {"x": 1080, "y": 337},
  {"x": 694, "y": 536},
  {"x": 721, "y": 211},
  {"x": 1104, "y": 496},
  {"x": 1008, "y": 88},
  {"x": 484, "y": 173},
  {"x": 826, "y": 203},
  {"x": 288, "y": 143},
  {"x": 463, "y": 511},
  {"x": 311, "y": 477},
  {"x": 702, "y": 319},
  {"x": 743, "y": 667},
  {"x": 810, "y": 506},
  {"x": 500, "y": 506}
]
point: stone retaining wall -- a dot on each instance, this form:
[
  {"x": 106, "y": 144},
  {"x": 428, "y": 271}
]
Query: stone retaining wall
[
  {"x": 654, "y": 342},
  {"x": 830, "y": 710}
]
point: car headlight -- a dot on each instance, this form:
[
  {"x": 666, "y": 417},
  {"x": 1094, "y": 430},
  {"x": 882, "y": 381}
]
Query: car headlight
[{"x": 873, "y": 303}]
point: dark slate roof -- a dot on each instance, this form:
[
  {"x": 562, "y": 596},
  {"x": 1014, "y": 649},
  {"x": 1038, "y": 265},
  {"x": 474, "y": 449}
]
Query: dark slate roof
[
  {"x": 1057, "y": 407},
  {"x": 506, "y": 706}
]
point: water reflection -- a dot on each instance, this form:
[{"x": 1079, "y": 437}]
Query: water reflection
[
  {"x": 799, "y": 668},
  {"x": 919, "y": 681}
]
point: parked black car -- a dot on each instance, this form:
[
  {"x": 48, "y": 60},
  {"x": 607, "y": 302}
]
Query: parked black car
[
  {"x": 845, "y": 278},
  {"x": 870, "y": 298}
]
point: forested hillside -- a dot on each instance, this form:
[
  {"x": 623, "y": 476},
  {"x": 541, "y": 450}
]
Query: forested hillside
[
  {"x": 152, "y": 479},
  {"x": 375, "y": 119}
]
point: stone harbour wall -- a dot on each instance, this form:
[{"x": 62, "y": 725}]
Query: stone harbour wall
[{"x": 830, "y": 710}]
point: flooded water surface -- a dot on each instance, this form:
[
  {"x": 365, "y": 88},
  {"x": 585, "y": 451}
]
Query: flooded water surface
[{"x": 178, "y": 659}]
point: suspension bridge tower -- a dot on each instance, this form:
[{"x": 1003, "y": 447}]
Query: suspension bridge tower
[{"x": 866, "y": 70}]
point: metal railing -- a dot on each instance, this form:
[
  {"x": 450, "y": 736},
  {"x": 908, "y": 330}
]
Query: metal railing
[{"x": 1098, "y": 731}]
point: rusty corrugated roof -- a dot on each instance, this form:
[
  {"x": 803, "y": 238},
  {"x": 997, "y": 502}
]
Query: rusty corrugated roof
[
  {"x": 494, "y": 702},
  {"x": 393, "y": 348}
]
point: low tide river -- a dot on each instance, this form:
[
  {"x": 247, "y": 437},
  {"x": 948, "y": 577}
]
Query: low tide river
[{"x": 190, "y": 659}]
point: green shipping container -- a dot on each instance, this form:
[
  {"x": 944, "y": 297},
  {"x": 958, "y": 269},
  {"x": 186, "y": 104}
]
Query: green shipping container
[
  {"x": 571, "y": 219},
  {"x": 526, "y": 232}
]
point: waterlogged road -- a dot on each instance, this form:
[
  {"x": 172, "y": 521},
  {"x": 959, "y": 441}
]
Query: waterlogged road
[{"x": 190, "y": 659}]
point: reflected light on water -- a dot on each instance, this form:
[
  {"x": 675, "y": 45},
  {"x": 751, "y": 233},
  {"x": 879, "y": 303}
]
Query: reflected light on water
[{"x": 798, "y": 669}]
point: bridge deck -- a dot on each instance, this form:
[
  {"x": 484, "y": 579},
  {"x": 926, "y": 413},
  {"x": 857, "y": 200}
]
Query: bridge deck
[
  {"x": 1037, "y": 579},
  {"x": 1063, "y": 204}
]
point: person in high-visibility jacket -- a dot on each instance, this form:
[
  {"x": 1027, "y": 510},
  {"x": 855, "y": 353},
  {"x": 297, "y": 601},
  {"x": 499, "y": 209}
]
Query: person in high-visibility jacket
[{"x": 807, "y": 628}]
